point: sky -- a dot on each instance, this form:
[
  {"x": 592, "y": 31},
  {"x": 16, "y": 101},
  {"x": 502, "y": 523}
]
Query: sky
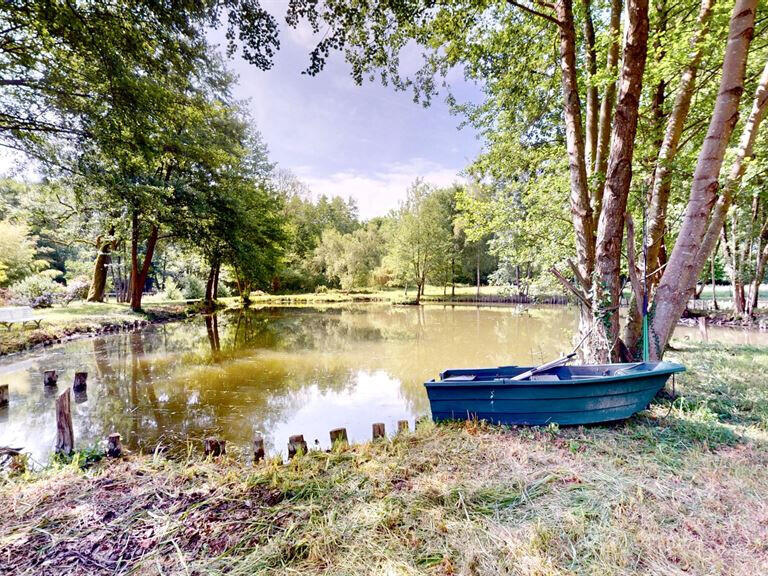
[{"x": 365, "y": 142}]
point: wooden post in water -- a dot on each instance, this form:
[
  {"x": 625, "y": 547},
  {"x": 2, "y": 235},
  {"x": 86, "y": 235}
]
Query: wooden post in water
[
  {"x": 258, "y": 448},
  {"x": 114, "y": 448},
  {"x": 378, "y": 430},
  {"x": 4, "y": 395},
  {"x": 50, "y": 378},
  {"x": 81, "y": 382},
  {"x": 65, "y": 436},
  {"x": 296, "y": 444},
  {"x": 215, "y": 447},
  {"x": 402, "y": 426},
  {"x": 339, "y": 435}
]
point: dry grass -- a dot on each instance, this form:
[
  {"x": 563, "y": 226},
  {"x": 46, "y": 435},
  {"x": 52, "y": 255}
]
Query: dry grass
[{"x": 680, "y": 489}]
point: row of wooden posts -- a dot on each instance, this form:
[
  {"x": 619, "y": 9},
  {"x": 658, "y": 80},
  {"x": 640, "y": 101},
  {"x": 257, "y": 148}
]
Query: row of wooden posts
[
  {"x": 296, "y": 444},
  {"x": 65, "y": 438}
]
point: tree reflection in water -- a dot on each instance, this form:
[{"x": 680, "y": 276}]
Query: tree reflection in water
[{"x": 277, "y": 370}]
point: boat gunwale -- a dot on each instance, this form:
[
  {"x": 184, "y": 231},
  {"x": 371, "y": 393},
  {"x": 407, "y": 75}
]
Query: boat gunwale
[{"x": 671, "y": 368}]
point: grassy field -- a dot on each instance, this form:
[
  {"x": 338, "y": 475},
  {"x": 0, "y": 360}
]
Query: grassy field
[
  {"x": 60, "y": 322},
  {"x": 679, "y": 489}
]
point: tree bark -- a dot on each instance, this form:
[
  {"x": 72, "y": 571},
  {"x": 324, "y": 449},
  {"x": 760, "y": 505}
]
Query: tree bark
[
  {"x": 606, "y": 105},
  {"x": 139, "y": 273},
  {"x": 754, "y": 289},
  {"x": 661, "y": 182},
  {"x": 581, "y": 210},
  {"x": 607, "y": 283},
  {"x": 682, "y": 268},
  {"x": 212, "y": 282},
  {"x": 592, "y": 96},
  {"x": 736, "y": 174},
  {"x": 100, "y": 267},
  {"x": 714, "y": 284}
]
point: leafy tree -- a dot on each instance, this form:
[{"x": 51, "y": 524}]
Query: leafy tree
[
  {"x": 421, "y": 240},
  {"x": 18, "y": 253},
  {"x": 350, "y": 259},
  {"x": 60, "y": 59}
]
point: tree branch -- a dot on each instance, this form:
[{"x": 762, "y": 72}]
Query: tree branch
[
  {"x": 536, "y": 12},
  {"x": 564, "y": 281},
  {"x": 577, "y": 274}
]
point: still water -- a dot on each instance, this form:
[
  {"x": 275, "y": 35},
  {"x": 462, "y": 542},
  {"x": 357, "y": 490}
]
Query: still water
[{"x": 278, "y": 371}]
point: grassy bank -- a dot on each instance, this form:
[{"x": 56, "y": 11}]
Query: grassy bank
[
  {"x": 63, "y": 322},
  {"x": 679, "y": 489}
]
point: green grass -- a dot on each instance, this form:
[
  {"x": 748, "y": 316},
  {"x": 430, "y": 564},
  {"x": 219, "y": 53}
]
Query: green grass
[{"x": 679, "y": 489}]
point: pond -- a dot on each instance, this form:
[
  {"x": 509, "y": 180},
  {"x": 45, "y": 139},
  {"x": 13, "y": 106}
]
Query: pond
[{"x": 278, "y": 371}]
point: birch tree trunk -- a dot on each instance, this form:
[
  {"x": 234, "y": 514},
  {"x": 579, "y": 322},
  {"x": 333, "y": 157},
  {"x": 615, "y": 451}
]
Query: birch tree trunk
[
  {"x": 592, "y": 96},
  {"x": 683, "y": 269},
  {"x": 606, "y": 105},
  {"x": 603, "y": 341},
  {"x": 736, "y": 174},
  {"x": 659, "y": 196},
  {"x": 581, "y": 208}
]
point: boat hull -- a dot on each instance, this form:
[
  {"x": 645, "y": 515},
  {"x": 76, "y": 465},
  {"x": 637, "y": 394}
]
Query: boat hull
[{"x": 493, "y": 396}]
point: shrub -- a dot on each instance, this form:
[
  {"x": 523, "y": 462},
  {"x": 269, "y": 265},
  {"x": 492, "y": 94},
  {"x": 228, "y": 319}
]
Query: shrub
[
  {"x": 77, "y": 289},
  {"x": 38, "y": 291},
  {"x": 193, "y": 288},
  {"x": 172, "y": 290},
  {"x": 321, "y": 289}
]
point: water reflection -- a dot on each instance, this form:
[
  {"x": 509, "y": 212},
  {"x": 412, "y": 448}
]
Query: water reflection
[{"x": 280, "y": 371}]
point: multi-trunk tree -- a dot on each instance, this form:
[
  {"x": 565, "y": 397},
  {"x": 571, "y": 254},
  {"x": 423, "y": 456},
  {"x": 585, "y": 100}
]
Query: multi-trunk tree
[{"x": 628, "y": 75}]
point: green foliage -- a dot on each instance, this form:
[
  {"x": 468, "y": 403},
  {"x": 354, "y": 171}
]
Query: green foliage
[
  {"x": 172, "y": 290},
  {"x": 194, "y": 289},
  {"x": 420, "y": 236},
  {"x": 38, "y": 290},
  {"x": 18, "y": 253},
  {"x": 350, "y": 259}
]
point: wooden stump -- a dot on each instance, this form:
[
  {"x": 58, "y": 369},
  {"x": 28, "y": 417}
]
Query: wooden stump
[
  {"x": 296, "y": 444},
  {"x": 215, "y": 447},
  {"x": 81, "y": 382},
  {"x": 258, "y": 448},
  {"x": 339, "y": 435},
  {"x": 65, "y": 436},
  {"x": 378, "y": 430},
  {"x": 114, "y": 448},
  {"x": 50, "y": 378},
  {"x": 402, "y": 426},
  {"x": 4, "y": 395}
]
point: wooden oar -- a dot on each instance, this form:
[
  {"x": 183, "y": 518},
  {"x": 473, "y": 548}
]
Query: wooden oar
[{"x": 543, "y": 367}]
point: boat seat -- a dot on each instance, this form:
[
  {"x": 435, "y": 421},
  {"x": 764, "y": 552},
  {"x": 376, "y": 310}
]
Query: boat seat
[
  {"x": 462, "y": 377},
  {"x": 627, "y": 369},
  {"x": 545, "y": 377}
]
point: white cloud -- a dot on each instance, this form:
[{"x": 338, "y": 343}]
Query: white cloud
[{"x": 379, "y": 191}]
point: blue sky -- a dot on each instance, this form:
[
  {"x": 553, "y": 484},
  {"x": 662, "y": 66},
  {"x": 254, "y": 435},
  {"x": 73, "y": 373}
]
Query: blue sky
[{"x": 366, "y": 142}]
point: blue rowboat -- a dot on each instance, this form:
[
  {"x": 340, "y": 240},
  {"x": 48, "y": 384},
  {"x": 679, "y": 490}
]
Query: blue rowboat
[{"x": 566, "y": 395}]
